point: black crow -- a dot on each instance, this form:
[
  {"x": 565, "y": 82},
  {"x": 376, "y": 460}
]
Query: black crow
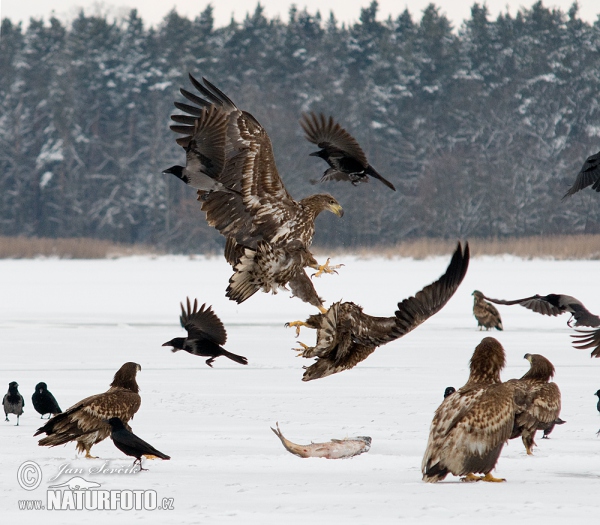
[
  {"x": 557, "y": 421},
  {"x": 44, "y": 402},
  {"x": 588, "y": 174},
  {"x": 131, "y": 445},
  {"x": 487, "y": 314},
  {"x": 339, "y": 149},
  {"x": 206, "y": 334},
  {"x": 556, "y": 304},
  {"x": 13, "y": 402},
  {"x": 449, "y": 390}
]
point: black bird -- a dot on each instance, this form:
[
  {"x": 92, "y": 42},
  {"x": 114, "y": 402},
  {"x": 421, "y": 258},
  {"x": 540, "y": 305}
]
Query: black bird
[
  {"x": 598, "y": 404},
  {"x": 449, "y": 390},
  {"x": 556, "y": 304},
  {"x": 557, "y": 421},
  {"x": 588, "y": 174},
  {"x": 13, "y": 402},
  {"x": 339, "y": 149},
  {"x": 131, "y": 445},
  {"x": 588, "y": 339},
  {"x": 206, "y": 334},
  {"x": 204, "y": 148},
  {"x": 44, "y": 402}
]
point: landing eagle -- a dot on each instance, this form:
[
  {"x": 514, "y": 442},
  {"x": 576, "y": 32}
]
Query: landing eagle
[
  {"x": 230, "y": 161},
  {"x": 346, "y": 335},
  {"x": 86, "y": 421}
]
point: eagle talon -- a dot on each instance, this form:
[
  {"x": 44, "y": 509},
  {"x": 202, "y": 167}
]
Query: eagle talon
[
  {"x": 304, "y": 351},
  {"x": 489, "y": 478},
  {"x": 297, "y": 324},
  {"x": 470, "y": 478},
  {"x": 325, "y": 268}
]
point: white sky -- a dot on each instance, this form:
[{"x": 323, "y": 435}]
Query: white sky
[{"x": 152, "y": 11}]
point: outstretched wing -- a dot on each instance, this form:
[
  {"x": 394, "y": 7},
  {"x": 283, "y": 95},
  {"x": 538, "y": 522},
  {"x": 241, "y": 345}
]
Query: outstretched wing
[
  {"x": 588, "y": 175},
  {"x": 203, "y": 323},
  {"x": 588, "y": 339},
  {"x": 329, "y": 135},
  {"x": 263, "y": 205},
  {"x": 415, "y": 310},
  {"x": 537, "y": 303}
]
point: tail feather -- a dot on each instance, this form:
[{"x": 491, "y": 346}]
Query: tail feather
[
  {"x": 237, "y": 358},
  {"x": 371, "y": 171}
]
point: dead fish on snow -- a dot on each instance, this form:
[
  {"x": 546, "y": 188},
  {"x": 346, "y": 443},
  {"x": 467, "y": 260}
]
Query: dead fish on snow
[{"x": 334, "y": 449}]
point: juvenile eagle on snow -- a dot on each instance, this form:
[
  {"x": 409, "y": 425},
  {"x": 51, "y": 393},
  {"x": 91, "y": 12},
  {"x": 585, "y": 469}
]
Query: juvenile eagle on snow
[
  {"x": 86, "y": 421},
  {"x": 206, "y": 334},
  {"x": 589, "y": 174},
  {"x": 543, "y": 401},
  {"x": 230, "y": 162},
  {"x": 487, "y": 314},
  {"x": 471, "y": 426},
  {"x": 346, "y": 335},
  {"x": 340, "y": 150}
]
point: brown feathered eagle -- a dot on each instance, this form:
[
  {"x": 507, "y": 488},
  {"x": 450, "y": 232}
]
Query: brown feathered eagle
[
  {"x": 487, "y": 314},
  {"x": 346, "y": 335},
  {"x": 268, "y": 233},
  {"x": 86, "y": 421},
  {"x": 471, "y": 426},
  {"x": 542, "y": 403}
]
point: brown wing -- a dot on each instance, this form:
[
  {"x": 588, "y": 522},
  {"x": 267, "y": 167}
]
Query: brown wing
[
  {"x": 537, "y": 303},
  {"x": 203, "y": 323},
  {"x": 468, "y": 431},
  {"x": 90, "y": 415},
  {"x": 329, "y": 135},
  {"x": 542, "y": 408},
  {"x": 264, "y": 204},
  {"x": 588, "y": 339},
  {"x": 487, "y": 314},
  {"x": 588, "y": 175}
]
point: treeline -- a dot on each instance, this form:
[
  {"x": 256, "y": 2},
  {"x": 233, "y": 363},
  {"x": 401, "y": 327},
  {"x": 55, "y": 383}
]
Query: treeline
[{"x": 481, "y": 129}]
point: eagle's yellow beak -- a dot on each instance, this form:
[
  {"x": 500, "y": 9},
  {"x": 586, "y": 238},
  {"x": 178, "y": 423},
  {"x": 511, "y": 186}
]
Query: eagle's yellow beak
[{"x": 337, "y": 209}]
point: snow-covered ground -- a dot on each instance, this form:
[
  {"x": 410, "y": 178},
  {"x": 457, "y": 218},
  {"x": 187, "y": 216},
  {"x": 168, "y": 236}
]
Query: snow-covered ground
[{"x": 73, "y": 323}]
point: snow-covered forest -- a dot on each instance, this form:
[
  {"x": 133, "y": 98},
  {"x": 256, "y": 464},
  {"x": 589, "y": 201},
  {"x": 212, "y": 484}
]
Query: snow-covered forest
[{"x": 481, "y": 128}]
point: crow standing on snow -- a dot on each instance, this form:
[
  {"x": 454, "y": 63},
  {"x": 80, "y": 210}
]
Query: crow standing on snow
[
  {"x": 13, "y": 402},
  {"x": 131, "y": 445},
  {"x": 339, "y": 149},
  {"x": 206, "y": 334},
  {"x": 44, "y": 402}
]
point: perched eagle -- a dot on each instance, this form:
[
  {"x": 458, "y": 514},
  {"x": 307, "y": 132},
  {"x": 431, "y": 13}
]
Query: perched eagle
[
  {"x": 13, "y": 401},
  {"x": 339, "y": 149},
  {"x": 471, "y": 426},
  {"x": 556, "y": 304},
  {"x": 487, "y": 314},
  {"x": 206, "y": 334},
  {"x": 130, "y": 444},
  {"x": 86, "y": 421},
  {"x": 346, "y": 335},
  {"x": 44, "y": 402},
  {"x": 542, "y": 405},
  {"x": 589, "y": 174},
  {"x": 230, "y": 162}
]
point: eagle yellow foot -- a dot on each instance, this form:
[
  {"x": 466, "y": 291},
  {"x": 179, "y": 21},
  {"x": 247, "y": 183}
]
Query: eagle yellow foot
[
  {"x": 471, "y": 477},
  {"x": 89, "y": 456},
  {"x": 492, "y": 479},
  {"x": 322, "y": 309},
  {"x": 325, "y": 268},
  {"x": 298, "y": 325},
  {"x": 149, "y": 456},
  {"x": 304, "y": 351}
]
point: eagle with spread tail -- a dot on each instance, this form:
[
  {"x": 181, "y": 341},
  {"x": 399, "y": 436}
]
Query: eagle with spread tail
[
  {"x": 230, "y": 162},
  {"x": 346, "y": 335},
  {"x": 86, "y": 421},
  {"x": 471, "y": 426}
]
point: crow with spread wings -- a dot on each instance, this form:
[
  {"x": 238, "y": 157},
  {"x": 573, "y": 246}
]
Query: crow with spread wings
[
  {"x": 230, "y": 162},
  {"x": 346, "y": 335}
]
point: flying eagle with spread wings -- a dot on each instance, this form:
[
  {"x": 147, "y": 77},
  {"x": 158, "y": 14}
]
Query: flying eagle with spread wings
[
  {"x": 556, "y": 304},
  {"x": 589, "y": 175},
  {"x": 86, "y": 421},
  {"x": 543, "y": 401},
  {"x": 230, "y": 162},
  {"x": 471, "y": 426},
  {"x": 340, "y": 150},
  {"x": 346, "y": 335}
]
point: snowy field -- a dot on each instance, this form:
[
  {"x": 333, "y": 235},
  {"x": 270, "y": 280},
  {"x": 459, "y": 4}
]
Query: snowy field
[{"x": 73, "y": 323}]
